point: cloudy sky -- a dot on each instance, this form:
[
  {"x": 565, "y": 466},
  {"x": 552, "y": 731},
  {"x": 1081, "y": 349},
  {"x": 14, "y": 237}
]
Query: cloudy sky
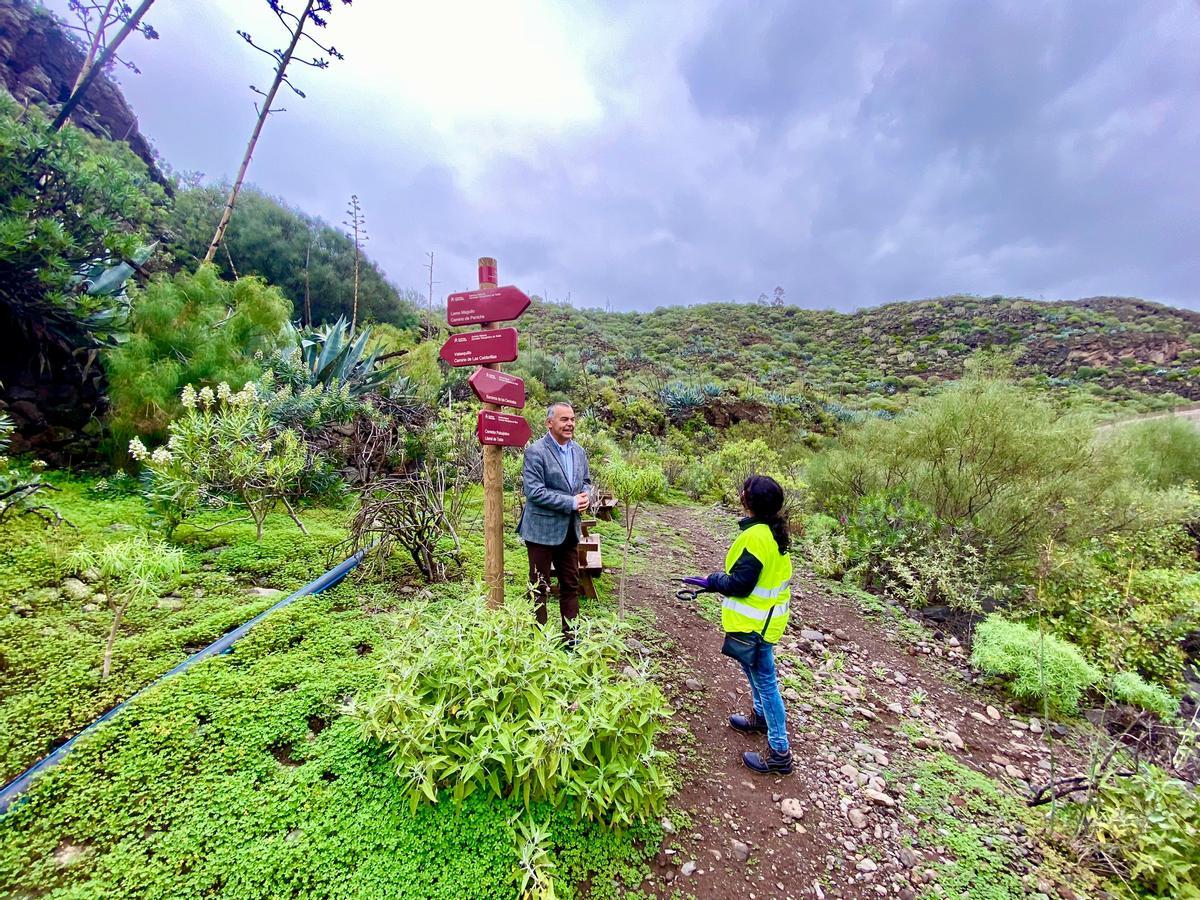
[{"x": 642, "y": 154}]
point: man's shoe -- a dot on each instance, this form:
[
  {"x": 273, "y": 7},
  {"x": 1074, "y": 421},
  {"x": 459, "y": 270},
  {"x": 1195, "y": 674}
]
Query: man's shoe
[
  {"x": 750, "y": 724},
  {"x": 772, "y": 764}
]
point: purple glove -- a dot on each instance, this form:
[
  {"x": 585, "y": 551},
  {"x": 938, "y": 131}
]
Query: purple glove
[{"x": 697, "y": 582}]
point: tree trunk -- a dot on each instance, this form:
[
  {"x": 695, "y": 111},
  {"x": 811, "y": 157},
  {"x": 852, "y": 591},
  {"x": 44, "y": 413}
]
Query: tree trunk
[
  {"x": 93, "y": 46},
  {"x": 624, "y": 569},
  {"x": 307, "y": 259},
  {"x": 118, "y": 614},
  {"x": 292, "y": 513},
  {"x": 280, "y": 71},
  {"x": 354, "y": 314},
  {"x": 87, "y": 78}
]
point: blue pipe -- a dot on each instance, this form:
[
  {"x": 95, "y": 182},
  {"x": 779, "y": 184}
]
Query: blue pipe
[{"x": 221, "y": 645}]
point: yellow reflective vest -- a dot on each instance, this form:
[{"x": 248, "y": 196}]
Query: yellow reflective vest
[{"x": 765, "y": 611}]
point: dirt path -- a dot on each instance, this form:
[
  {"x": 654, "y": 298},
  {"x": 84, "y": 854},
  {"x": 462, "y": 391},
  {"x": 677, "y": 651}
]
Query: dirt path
[{"x": 868, "y": 701}]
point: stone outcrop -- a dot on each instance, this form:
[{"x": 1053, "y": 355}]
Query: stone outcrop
[{"x": 39, "y": 64}]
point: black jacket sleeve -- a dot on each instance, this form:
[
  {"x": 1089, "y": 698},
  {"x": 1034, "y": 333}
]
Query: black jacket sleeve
[{"x": 741, "y": 579}]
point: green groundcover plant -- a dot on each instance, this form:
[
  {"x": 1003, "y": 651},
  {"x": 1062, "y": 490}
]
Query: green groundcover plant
[
  {"x": 477, "y": 698},
  {"x": 1038, "y": 668},
  {"x": 244, "y": 779}
]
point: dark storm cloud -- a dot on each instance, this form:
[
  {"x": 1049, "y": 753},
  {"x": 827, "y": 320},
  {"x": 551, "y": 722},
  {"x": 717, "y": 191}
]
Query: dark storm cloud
[
  {"x": 853, "y": 153},
  {"x": 1016, "y": 148}
]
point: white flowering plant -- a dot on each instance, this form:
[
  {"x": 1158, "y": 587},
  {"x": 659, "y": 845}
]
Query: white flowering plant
[
  {"x": 225, "y": 450},
  {"x": 19, "y": 484}
]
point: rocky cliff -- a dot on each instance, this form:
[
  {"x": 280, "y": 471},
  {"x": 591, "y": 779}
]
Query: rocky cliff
[{"x": 39, "y": 64}]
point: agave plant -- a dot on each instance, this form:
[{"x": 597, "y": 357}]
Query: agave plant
[
  {"x": 335, "y": 358},
  {"x": 681, "y": 399}
]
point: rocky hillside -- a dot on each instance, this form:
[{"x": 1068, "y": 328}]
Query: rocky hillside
[
  {"x": 1117, "y": 349},
  {"x": 39, "y": 63}
]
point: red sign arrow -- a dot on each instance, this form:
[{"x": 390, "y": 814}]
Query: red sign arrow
[
  {"x": 500, "y": 304},
  {"x": 477, "y": 348},
  {"x": 491, "y": 386},
  {"x": 501, "y": 429}
]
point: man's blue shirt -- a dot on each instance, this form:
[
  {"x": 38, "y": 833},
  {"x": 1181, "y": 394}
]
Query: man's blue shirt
[{"x": 567, "y": 458}]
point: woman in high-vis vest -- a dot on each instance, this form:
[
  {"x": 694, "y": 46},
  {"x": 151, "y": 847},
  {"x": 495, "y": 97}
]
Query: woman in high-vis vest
[{"x": 756, "y": 589}]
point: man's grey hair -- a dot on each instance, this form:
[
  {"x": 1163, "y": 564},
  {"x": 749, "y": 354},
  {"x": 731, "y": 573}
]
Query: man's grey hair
[{"x": 555, "y": 405}]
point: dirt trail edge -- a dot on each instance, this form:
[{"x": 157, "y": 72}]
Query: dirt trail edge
[{"x": 869, "y": 703}]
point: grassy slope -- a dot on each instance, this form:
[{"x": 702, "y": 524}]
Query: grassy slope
[
  {"x": 854, "y": 355},
  {"x": 50, "y": 654},
  {"x": 244, "y": 777}
]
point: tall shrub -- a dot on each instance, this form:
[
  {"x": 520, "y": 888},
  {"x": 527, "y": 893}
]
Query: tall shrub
[
  {"x": 67, "y": 203},
  {"x": 997, "y": 466},
  {"x": 191, "y": 329},
  {"x": 1162, "y": 452}
]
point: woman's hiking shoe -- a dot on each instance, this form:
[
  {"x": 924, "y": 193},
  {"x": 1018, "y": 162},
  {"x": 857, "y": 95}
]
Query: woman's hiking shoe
[
  {"x": 750, "y": 724},
  {"x": 772, "y": 764}
]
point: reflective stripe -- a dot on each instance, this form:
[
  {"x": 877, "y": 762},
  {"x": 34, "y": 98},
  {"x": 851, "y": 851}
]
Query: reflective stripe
[
  {"x": 751, "y": 612},
  {"x": 771, "y": 593}
]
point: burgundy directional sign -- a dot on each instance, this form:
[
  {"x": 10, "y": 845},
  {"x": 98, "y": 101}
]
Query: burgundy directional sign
[
  {"x": 501, "y": 429},
  {"x": 477, "y": 348},
  {"x": 491, "y": 386},
  {"x": 501, "y": 304}
]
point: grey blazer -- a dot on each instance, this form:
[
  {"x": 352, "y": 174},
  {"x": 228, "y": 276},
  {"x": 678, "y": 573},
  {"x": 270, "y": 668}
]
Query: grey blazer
[{"x": 549, "y": 498}]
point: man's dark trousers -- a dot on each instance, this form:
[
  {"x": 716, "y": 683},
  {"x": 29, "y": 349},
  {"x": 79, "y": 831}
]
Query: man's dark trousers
[{"x": 565, "y": 558}]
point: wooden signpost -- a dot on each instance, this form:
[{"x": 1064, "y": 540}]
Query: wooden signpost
[
  {"x": 478, "y": 348},
  {"x": 501, "y": 429},
  {"x": 492, "y": 386},
  {"x": 496, "y": 430},
  {"x": 496, "y": 305}
]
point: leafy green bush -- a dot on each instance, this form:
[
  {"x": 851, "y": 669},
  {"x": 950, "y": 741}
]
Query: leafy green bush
[
  {"x": 738, "y": 460},
  {"x": 1126, "y": 604},
  {"x": 945, "y": 571},
  {"x": 193, "y": 329},
  {"x": 479, "y": 698},
  {"x": 996, "y": 465},
  {"x": 18, "y": 485},
  {"x": 67, "y": 203},
  {"x": 1037, "y": 667},
  {"x": 1162, "y": 452},
  {"x": 637, "y": 415},
  {"x": 696, "y": 479},
  {"x": 882, "y": 530},
  {"x": 825, "y": 545},
  {"x": 1129, "y": 687},
  {"x": 1146, "y": 828}
]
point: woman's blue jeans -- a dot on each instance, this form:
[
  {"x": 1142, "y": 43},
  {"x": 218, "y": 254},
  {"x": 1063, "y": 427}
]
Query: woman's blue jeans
[{"x": 768, "y": 704}]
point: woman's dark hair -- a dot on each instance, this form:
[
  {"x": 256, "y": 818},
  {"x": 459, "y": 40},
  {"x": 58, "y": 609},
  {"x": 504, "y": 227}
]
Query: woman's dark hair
[{"x": 763, "y": 496}]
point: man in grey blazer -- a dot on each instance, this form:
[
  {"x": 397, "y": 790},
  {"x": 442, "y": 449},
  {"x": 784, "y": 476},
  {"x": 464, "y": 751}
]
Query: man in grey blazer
[{"x": 557, "y": 488}]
